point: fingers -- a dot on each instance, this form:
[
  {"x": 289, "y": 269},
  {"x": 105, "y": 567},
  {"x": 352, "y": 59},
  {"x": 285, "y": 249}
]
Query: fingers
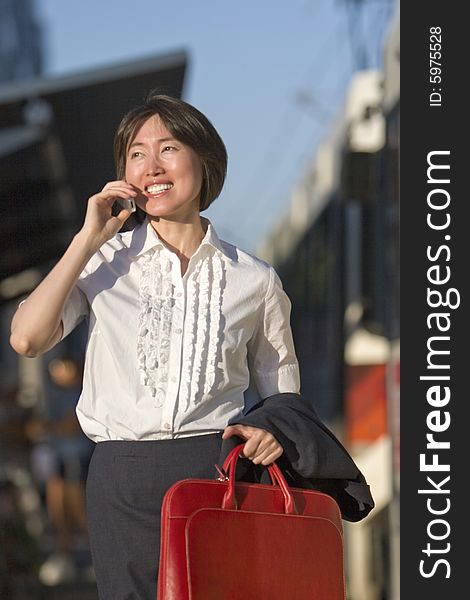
[
  {"x": 118, "y": 187},
  {"x": 231, "y": 430},
  {"x": 100, "y": 224},
  {"x": 111, "y": 191},
  {"x": 261, "y": 446}
]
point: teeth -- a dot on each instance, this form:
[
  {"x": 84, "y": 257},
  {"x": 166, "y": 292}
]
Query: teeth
[{"x": 158, "y": 187}]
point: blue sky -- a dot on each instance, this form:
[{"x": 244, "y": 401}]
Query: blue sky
[{"x": 270, "y": 75}]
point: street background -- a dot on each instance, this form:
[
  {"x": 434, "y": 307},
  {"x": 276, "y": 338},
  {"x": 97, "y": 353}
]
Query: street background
[{"x": 306, "y": 96}]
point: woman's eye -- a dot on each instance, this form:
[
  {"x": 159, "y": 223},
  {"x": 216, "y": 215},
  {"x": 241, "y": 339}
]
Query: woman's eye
[
  {"x": 165, "y": 148},
  {"x": 136, "y": 154}
]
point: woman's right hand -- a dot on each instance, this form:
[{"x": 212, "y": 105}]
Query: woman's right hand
[
  {"x": 36, "y": 325},
  {"x": 100, "y": 225}
]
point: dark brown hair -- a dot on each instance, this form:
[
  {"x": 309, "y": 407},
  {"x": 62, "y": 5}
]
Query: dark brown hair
[{"x": 189, "y": 126}]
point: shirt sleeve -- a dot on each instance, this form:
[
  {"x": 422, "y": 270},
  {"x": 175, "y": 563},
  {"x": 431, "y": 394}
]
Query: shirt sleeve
[
  {"x": 271, "y": 353},
  {"x": 75, "y": 309}
]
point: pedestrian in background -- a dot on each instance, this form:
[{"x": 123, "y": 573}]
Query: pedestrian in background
[{"x": 61, "y": 460}]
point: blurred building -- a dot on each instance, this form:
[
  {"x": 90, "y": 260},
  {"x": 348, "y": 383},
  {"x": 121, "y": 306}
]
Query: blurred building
[
  {"x": 56, "y": 140},
  {"x": 336, "y": 250},
  {"x": 20, "y": 41}
]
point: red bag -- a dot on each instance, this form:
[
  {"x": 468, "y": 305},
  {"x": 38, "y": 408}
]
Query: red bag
[{"x": 223, "y": 540}]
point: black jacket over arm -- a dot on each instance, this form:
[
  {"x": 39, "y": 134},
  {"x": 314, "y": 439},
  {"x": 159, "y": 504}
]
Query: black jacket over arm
[{"x": 313, "y": 457}]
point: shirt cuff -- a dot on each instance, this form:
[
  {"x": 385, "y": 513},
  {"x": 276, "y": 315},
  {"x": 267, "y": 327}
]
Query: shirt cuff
[{"x": 284, "y": 379}]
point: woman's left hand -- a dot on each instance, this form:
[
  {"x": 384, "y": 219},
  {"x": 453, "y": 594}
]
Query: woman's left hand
[{"x": 261, "y": 446}]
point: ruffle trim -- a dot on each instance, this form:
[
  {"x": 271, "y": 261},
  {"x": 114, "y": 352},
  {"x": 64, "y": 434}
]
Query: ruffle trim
[
  {"x": 153, "y": 339},
  {"x": 202, "y": 335}
]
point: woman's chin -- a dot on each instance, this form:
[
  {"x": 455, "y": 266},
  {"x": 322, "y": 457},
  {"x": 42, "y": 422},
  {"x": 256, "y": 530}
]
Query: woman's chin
[
  {"x": 155, "y": 207},
  {"x": 159, "y": 209}
]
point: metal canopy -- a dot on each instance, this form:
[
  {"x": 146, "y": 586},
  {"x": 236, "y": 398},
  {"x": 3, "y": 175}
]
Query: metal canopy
[{"x": 80, "y": 113}]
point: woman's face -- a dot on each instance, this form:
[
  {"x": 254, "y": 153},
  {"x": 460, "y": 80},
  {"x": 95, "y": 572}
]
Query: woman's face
[{"x": 166, "y": 173}]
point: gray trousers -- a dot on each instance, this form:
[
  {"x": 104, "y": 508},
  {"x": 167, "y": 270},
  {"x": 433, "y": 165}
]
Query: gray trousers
[{"x": 125, "y": 488}]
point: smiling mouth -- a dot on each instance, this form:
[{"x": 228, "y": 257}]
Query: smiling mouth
[{"x": 157, "y": 188}]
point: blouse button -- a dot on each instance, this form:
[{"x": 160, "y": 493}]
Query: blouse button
[{"x": 178, "y": 330}]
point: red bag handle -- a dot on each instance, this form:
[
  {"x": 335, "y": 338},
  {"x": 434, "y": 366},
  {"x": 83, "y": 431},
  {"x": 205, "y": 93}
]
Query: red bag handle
[{"x": 230, "y": 501}]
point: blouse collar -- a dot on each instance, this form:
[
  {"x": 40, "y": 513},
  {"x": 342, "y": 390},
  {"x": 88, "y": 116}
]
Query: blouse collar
[{"x": 144, "y": 238}]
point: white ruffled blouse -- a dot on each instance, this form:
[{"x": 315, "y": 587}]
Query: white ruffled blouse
[{"x": 169, "y": 355}]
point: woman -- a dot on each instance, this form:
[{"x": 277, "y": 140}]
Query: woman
[{"x": 178, "y": 321}]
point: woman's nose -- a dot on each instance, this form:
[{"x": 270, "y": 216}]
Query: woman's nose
[
  {"x": 154, "y": 166},
  {"x": 154, "y": 171}
]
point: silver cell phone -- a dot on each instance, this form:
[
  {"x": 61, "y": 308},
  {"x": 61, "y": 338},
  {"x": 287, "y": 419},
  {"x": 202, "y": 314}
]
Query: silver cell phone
[{"x": 127, "y": 203}]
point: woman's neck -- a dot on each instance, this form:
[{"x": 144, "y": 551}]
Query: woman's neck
[{"x": 182, "y": 238}]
